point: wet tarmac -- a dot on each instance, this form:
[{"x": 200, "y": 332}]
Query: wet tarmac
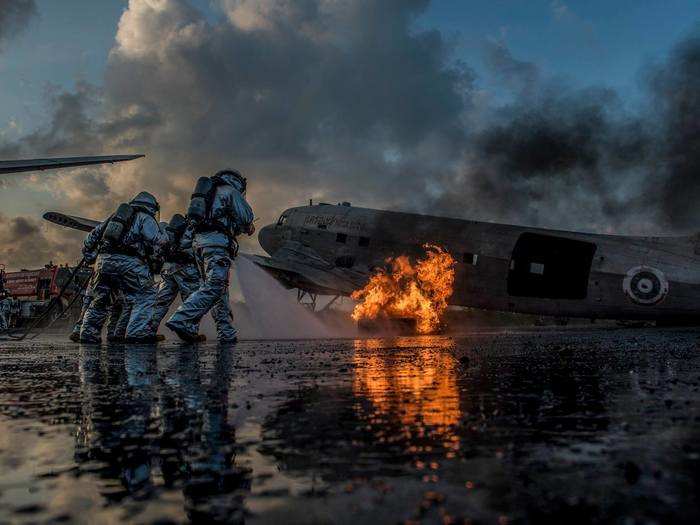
[{"x": 563, "y": 426}]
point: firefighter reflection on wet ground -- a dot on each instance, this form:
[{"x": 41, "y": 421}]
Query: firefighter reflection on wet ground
[{"x": 148, "y": 422}]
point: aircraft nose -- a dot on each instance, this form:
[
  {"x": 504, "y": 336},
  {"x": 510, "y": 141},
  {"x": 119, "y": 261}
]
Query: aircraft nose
[{"x": 270, "y": 238}]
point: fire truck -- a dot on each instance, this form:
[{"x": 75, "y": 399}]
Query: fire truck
[{"x": 32, "y": 290}]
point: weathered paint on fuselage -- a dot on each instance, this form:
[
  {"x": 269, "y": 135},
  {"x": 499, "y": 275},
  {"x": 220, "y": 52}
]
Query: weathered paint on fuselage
[{"x": 335, "y": 233}]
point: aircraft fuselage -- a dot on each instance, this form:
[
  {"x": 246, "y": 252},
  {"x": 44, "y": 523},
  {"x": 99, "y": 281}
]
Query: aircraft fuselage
[{"x": 499, "y": 267}]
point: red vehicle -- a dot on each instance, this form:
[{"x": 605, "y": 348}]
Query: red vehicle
[{"x": 32, "y": 291}]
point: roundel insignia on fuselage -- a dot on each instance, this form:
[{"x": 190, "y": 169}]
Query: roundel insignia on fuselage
[{"x": 645, "y": 285}]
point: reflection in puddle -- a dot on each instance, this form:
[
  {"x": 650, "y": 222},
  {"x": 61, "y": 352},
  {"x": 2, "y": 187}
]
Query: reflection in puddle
[
  {"x": 397, "y": 414},
  {"x": 419, "y": 390},
  {"x": 381, "y": 430},
  {"x": 148, "y": 425}
]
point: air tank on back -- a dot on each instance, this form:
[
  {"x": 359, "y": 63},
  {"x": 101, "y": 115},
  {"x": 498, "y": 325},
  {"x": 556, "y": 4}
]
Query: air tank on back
[
  {"x": 117, "y": 224},
  {"x": 198, "y": 201}
]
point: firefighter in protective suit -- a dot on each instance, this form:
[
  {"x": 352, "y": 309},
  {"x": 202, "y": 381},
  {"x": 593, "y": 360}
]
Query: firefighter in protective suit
[
  {"x": 5, "y": 310},
  {"x": 116, "y": 322},
  {"x": 227, "y": 215},
  {"x": 180, "y": 273},
  {"x": 123, "y": 266}
]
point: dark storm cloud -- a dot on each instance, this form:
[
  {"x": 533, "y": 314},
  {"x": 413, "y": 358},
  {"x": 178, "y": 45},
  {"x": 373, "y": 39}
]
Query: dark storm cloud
[
  {"x": 14, "y": 17},
  {"x": 351, "y": 101},
  {"x": 311, "y": 99},
  {"x": 310, "y": 76},
  {"x": 676, "y": 107},
  {"x": 26, "y": 243},
  {"x": 21, "y": 227},
  {"x": 558, "y": 155},
  {"x": 348, "y": 100},
  {"x": 71, "y": 127}
]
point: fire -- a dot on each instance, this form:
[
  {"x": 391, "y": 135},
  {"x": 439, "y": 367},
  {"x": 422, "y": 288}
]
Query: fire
[{"x": 416, "y": 291}]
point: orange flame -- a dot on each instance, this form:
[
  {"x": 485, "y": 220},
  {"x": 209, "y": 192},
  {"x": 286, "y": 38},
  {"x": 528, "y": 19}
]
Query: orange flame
[{"x": 411, "y": 291}]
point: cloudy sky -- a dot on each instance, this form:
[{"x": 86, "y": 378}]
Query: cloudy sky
[{"x": 582, "y": 115}]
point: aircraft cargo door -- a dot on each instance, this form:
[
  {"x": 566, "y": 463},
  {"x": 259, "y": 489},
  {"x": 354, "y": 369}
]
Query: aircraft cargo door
[{"x": 550, "y": 267}]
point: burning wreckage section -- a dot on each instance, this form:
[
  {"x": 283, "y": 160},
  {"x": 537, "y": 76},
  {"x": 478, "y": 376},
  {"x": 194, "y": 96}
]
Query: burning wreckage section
[{"x": 416, "y": 291}]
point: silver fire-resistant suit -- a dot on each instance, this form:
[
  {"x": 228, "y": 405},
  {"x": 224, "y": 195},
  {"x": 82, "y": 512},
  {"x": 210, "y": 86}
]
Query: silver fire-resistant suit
[
  {"x": 5, "y": 310},
  {"x": 124, "y": 269},
  {"x": 179, "y": 275},
  {"x": 116, "y": 321},
  {"x": 214, "y": 244}
]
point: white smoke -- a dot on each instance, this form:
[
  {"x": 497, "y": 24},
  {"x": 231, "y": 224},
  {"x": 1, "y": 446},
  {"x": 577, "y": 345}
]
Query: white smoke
[
  {"x": 270, "y": 311},
  {"x": 274, "y": 312}
]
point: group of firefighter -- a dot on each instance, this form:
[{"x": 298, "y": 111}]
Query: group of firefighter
[{"x": 193, "y": 255}]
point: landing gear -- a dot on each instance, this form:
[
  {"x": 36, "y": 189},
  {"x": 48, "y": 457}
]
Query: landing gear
[
  {"x": 310, "y": 303},
  {"x": 309, "y": 300}
]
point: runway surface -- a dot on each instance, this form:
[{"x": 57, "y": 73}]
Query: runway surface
[{"x": 520, "y": 427}]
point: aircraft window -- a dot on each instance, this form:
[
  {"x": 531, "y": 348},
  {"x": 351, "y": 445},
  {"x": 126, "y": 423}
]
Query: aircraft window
[
  {"x": 282, "y": 220},
  {"x": 537, "y": 268},
  {"x": 345, "y": 262},
  {"x": 470, "y": 258},
  {"x": 322, "y": 226},
  {"x": 341, "y": 237},
  {"x": 363, "y": 242}
]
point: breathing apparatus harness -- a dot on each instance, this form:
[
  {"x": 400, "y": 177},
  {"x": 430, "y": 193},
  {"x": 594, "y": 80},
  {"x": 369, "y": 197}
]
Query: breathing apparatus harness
[
  {"x": 176, "y": 229},
  {"x": 118, "y": 226},
  {"x": 199, "y": 213}
]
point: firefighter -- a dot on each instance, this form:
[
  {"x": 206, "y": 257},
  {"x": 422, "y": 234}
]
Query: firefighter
[
  {"x": 128, "y": 244},
  {"x": 5, "y": 310},
  {"x": 116, "y": 322},
  {"x": 222, "y": 214},
  {"x": 180, "y": 273}
]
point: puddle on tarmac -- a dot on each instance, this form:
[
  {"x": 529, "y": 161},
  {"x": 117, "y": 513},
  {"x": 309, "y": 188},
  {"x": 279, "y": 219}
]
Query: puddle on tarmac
[{"x": 493, "y": 428}]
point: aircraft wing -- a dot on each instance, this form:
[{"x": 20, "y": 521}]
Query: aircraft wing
[
  {"x": 18, "y": 166},
  {"x": 71, "y": 221},
  {"x": 298, "y": 274}
]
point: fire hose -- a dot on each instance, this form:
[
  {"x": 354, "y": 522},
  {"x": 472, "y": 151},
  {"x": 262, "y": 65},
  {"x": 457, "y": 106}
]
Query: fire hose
[{"x": 54, "y": 301}]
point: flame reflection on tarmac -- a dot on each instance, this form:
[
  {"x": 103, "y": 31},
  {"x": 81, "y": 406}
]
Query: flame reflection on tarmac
[
  {"x": 569, "y": 425},
  {"x": 420, "y": 390}
]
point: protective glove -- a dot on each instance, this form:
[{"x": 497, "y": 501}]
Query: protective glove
[{"x": 89, "y": 256}]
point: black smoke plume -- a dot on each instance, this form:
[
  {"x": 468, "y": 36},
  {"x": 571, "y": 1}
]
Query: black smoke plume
[
  {"x": 14, "y": 18},
  {"x": 558, "y": 155},
  {"x": 675, "y": 108}
]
